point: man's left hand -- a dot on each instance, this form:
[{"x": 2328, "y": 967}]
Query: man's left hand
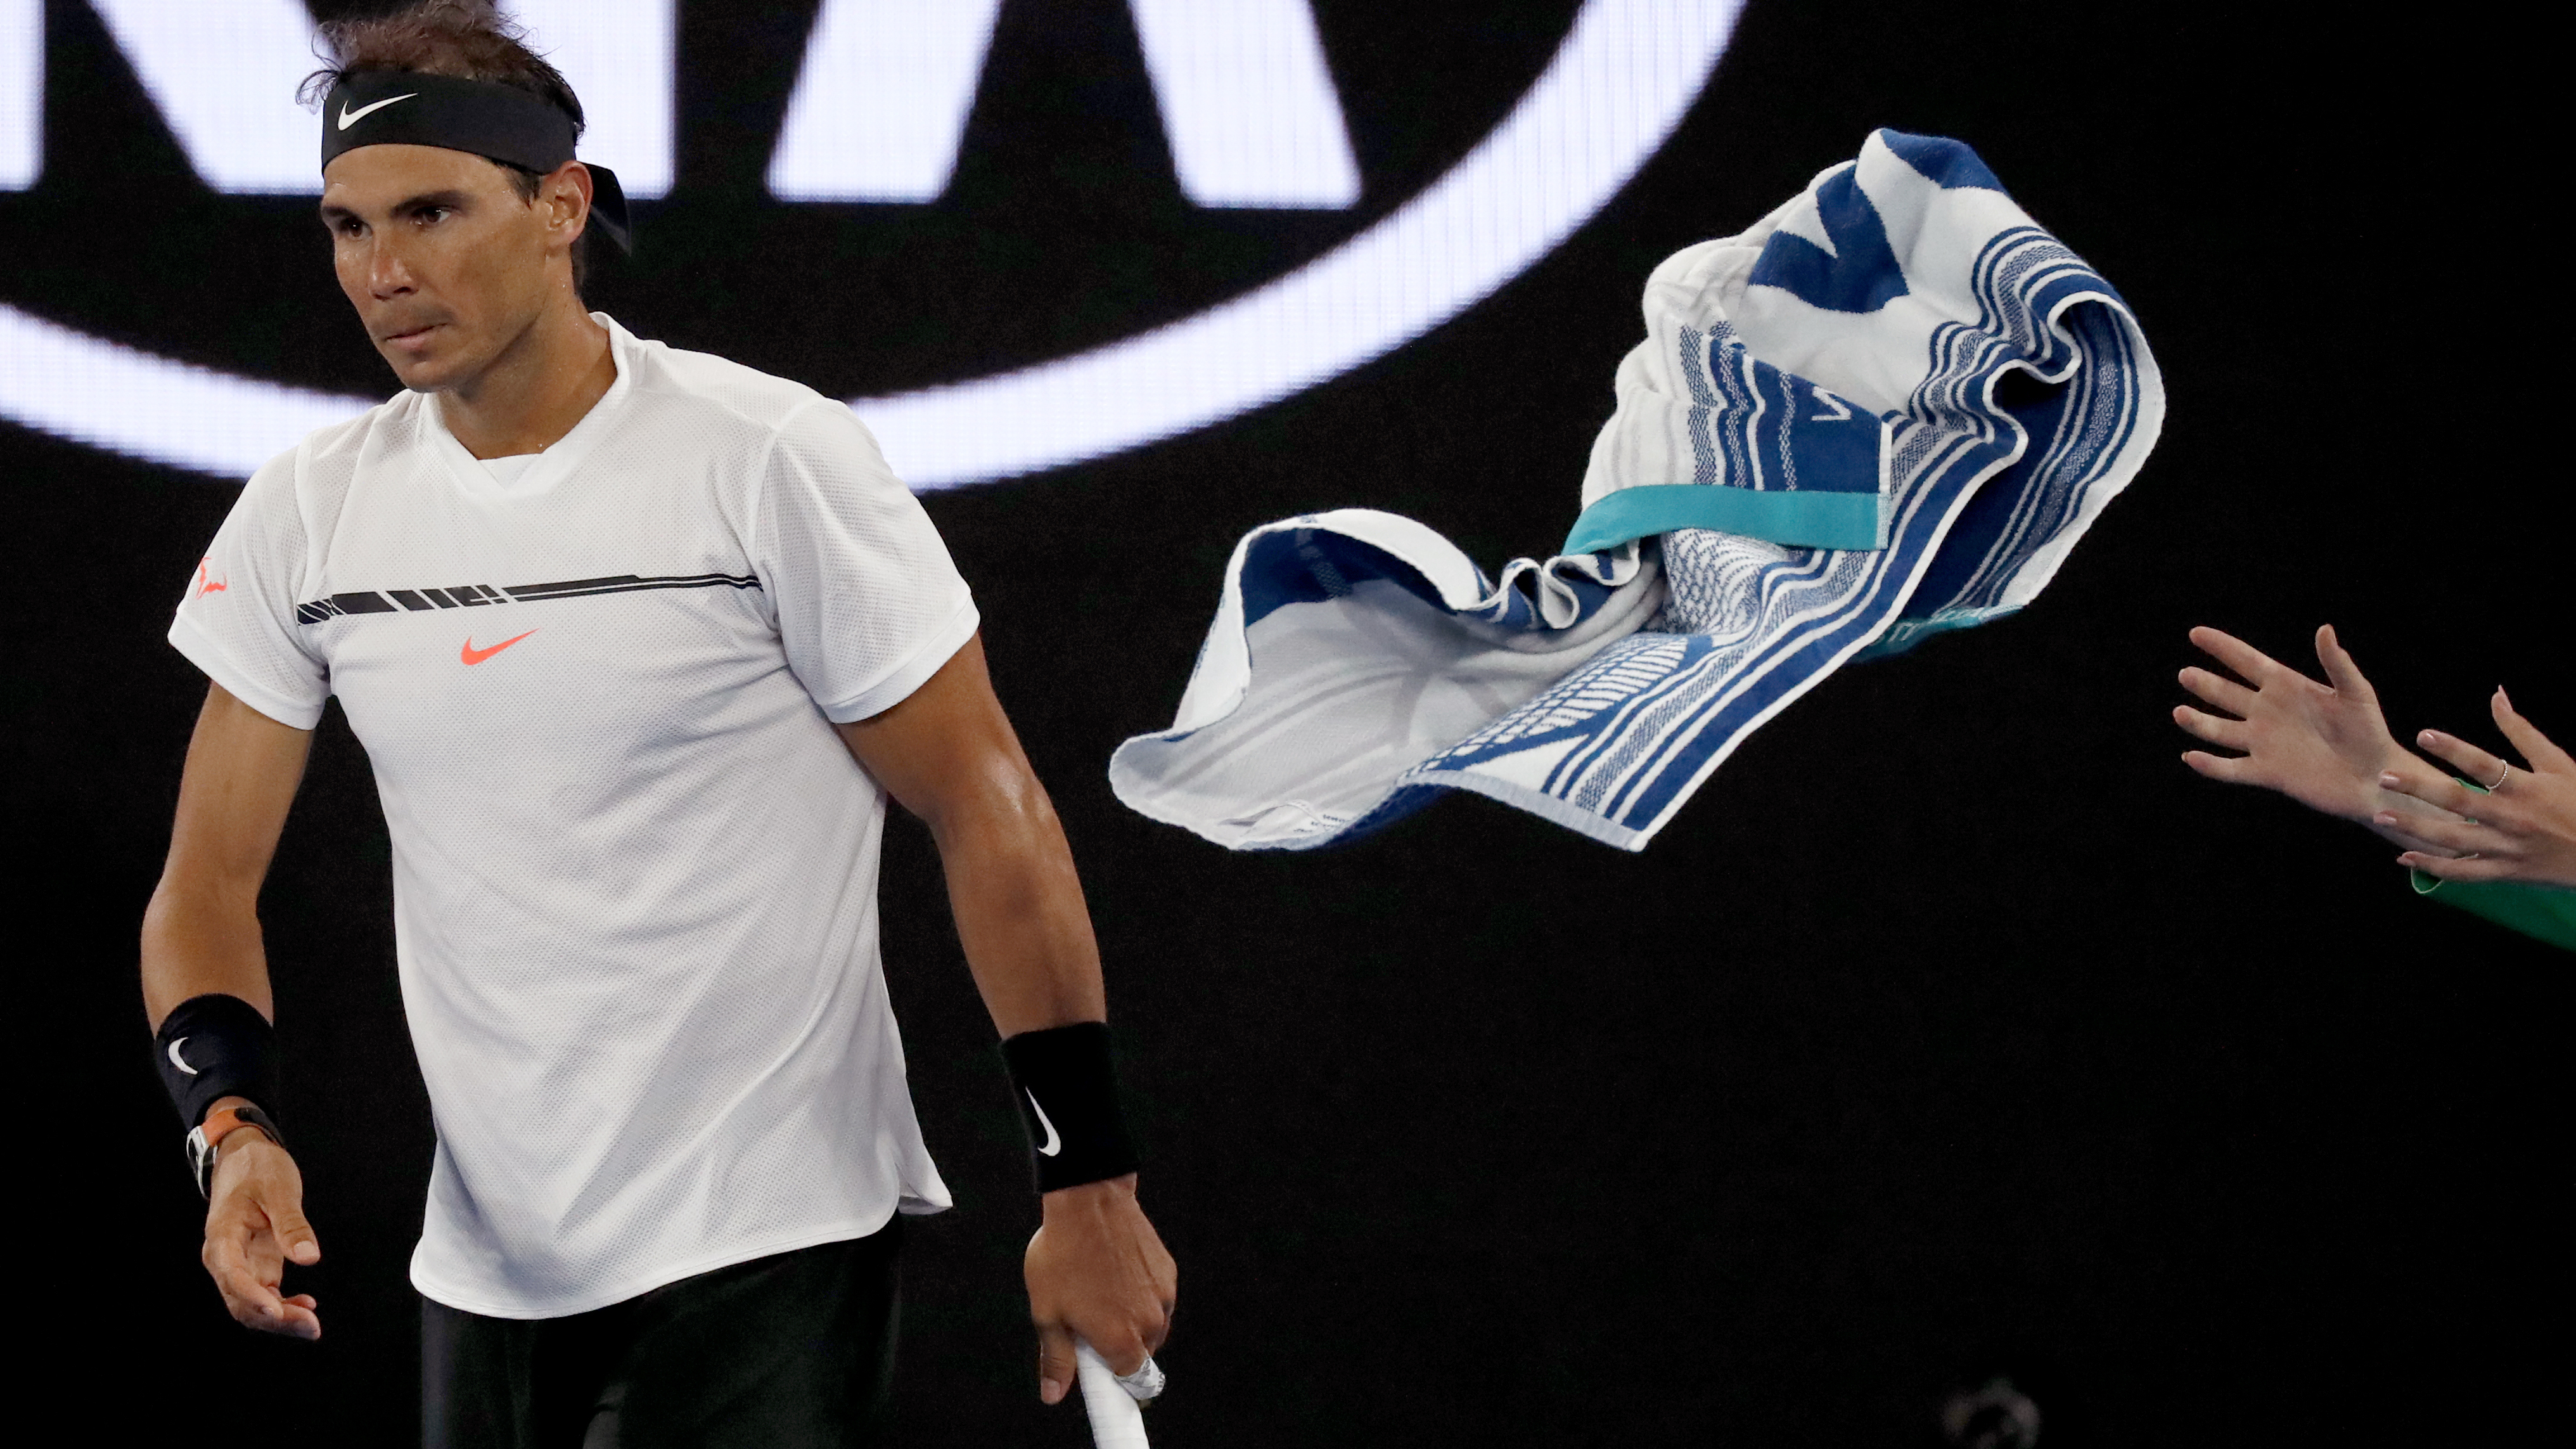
[{"x": 1097, "y": 1273}]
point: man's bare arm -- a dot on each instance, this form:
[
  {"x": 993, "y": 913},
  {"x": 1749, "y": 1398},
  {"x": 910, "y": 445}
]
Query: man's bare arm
[
  {"x": 949, "y": 755},
  {"x": 1096, "y": 1269},
  {"x": 201, "y": 934}
]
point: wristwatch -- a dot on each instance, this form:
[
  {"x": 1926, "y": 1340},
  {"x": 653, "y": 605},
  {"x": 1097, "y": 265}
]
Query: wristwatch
[{"x": 221, "y": 1123}]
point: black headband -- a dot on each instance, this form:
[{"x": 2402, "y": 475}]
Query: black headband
[{"x": 498, "y": 122}]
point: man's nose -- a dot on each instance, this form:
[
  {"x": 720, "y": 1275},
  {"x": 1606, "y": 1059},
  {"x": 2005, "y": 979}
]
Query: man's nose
[{"x": 388, "y": 276}]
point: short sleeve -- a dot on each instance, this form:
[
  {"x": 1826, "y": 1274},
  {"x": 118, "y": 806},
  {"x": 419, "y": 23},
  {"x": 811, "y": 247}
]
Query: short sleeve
[
  {"x": 236, "y": 621},
  {"x": 868, "y": 603}
]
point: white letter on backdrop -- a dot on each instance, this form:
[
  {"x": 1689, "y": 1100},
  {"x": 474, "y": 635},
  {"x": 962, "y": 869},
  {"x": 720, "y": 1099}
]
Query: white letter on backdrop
[
  {"x": 224, "y": 77},
  {"x": 620, "y": 61},
  {"x": 881, "y": 103},
  {"x": 1248, "y": 102}
]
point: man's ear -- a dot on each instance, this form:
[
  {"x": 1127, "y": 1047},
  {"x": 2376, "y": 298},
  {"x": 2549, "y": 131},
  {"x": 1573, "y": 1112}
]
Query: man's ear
[{"x": 566, "y": 194}]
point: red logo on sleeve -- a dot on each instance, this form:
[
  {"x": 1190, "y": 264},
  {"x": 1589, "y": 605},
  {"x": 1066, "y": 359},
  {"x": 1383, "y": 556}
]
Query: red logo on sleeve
[{"x": 206, "y": 583}]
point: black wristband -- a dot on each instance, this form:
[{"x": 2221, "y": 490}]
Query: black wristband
[
  {"x": 1068, "y": 1099},
  {"x": 215, "y": 1046}
]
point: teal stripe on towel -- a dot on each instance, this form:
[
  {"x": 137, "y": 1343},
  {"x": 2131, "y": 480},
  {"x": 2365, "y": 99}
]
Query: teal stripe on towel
[{"x": 1810, "y": 519}]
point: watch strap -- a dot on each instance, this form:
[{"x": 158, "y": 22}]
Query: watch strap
[{"x": 207, "y": 1136}]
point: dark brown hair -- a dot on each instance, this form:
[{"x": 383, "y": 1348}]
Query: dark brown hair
[{"x": 468, "y": 39}]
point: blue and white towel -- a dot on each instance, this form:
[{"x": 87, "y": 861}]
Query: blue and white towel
[{"x": 1888, "y": 409}]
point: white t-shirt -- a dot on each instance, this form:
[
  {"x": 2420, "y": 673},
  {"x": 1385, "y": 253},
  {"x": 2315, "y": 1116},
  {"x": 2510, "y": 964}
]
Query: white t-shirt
[{"x": 634, "y": 868}]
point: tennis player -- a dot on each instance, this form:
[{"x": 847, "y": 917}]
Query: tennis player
[{"x": 638, "y": 642}]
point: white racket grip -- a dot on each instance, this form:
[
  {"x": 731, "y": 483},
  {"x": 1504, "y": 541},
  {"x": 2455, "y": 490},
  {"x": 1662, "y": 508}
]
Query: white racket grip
[{"x": 1116, "y": 1420}]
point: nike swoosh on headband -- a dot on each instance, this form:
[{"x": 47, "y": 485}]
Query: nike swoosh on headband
[
  {"x": 349, "y": 117},
  {"x": 181, "y": 1062},
  {"x": 1054, "y": 1144}
]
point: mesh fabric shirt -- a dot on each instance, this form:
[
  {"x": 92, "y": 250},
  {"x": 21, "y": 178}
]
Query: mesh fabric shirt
[{"x": 635, "y": 870}]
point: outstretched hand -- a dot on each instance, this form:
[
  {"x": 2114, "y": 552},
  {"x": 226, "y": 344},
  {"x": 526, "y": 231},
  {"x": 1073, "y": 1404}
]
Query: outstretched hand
[
  {"x": 1097, "y": 1272},
  {"x": 2323, "y": 745},
  {"x": 2522, "y": 829},
  {"x": 254, "y": 1227}
]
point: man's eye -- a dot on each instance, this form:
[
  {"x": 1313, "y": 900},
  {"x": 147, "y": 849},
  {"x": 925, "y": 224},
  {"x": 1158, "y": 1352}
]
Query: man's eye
[{"x": 430, "y": 215}]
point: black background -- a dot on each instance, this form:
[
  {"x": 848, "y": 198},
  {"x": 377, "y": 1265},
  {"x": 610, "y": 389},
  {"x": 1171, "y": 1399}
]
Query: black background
[{"x": 1953, "y": 1028}]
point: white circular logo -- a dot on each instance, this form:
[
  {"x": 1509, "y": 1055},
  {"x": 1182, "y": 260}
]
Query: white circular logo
[{"x": 1622, "y": 79}]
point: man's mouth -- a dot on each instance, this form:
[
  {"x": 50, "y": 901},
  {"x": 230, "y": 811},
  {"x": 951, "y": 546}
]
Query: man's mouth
[{"x": 410, "y": 338}]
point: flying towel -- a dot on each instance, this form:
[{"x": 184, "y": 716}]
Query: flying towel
[{"x": 1888, "y": 409}]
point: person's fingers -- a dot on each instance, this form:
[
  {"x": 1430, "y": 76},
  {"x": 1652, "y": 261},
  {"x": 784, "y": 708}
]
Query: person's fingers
[
  {"x": 2230, "y": 769},
  {"x": 2458, "y": 868},
  {"x": 2433, "y": 788},
  {"x": 2406, "y": 837},
  {"x": 2218, "y": 690},
  {"x": 226, "y": 1255},
  {"x": 2235, "y": 653},
  {"x": 1055, "y": 1362},
  {"x": 255, "y": 1304},
  {"x": 298, "y": 1320},
  {"x": 295, "y": 1235},
  {"x": 2461, "y": 836},
  {"x": 242, "y": 1254},
  {"x": 2412, "y": 770},
  {"x": 2544, "y": 756},
  {"x": 2228, "y": 732},
  {"x": 1124, "y": 1350},
  {"x": 2473, "y": 763},
  {"x": 2341, "y": 673},
  {"x": 291, "y": 1317},
  {"x": 1164, "y": 1276}
]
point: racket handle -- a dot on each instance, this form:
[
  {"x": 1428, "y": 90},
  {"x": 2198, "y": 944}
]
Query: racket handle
[{"x": 1116, "y": 1421}]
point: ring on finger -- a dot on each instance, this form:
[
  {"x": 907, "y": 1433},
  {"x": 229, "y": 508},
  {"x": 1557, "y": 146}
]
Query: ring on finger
[{"x": 2500, "y": 776}]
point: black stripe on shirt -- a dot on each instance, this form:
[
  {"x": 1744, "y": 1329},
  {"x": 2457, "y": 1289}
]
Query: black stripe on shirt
[
  {"x": 457, "y": 596},
  {"x": 627, "y": 584}
]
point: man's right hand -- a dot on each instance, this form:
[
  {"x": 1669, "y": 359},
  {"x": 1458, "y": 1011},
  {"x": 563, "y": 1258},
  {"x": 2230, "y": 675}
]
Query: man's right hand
[{"x": 255, "y": 1226}]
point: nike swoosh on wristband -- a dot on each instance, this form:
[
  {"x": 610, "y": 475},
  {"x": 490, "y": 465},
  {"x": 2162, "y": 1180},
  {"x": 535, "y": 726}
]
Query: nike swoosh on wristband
[
  {"x": 472, "y": 655},
  {"x": 179, "y": 1061},
  {"x": 1054, "y": 1144},
  {"x": 349, "y": 117}
]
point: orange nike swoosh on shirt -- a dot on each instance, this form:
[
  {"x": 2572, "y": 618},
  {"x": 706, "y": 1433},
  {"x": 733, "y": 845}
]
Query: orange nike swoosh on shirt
[{"x": 472, "y": 655}]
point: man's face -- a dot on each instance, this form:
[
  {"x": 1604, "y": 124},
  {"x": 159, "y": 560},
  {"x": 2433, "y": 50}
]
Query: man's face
[{"x": 445, "y": 264}]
